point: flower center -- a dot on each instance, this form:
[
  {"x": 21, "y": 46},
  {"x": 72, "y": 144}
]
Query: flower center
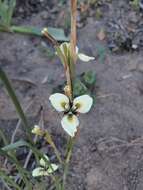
[
  {"x": 70, "y": 117},
  {"x": 77, "y": 105},
  {"x": 64, "y": 105}
]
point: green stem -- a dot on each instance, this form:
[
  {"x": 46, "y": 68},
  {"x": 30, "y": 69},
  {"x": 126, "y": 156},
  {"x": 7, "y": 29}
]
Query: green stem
[
  {"x": 57, "y": 153},
  {"x": 49, "y": 140},
  {"x": 67, "y": 161}
]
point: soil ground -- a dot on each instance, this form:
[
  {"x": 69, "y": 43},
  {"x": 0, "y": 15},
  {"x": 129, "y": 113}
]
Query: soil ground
[{"x": 108, "y": 154}]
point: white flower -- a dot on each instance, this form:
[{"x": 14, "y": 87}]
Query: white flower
[
  {"x": 83, "y": 103},
  {"x": 65, "y": 48},
  {"x": 59, "y": 101},
  {"x": 44, "y": 169},
  {"x": 70, "y": 121},
  {"x": 35, "y": 129},
  {"x": 84, "y": 57}
]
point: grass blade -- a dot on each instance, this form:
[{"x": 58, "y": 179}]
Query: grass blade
[
  {"x": 15, "y": 145},
  {"x": 10, "y": 11},
  {"x": 6, "y": 12},
  {"x": 3, "y": 137},
  {"x": 16, "y": 103},
  {"x": 22, "y": 143}
]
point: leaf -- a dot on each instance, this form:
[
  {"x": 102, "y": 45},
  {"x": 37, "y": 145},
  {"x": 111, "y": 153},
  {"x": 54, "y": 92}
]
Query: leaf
[
  {"x": 11, "y": 7},
  {"x": 20, "y": 144},
  {"x": 79, "y": 88},
  {"x": 14, "y": 145},
  {"x": 89, "y": 78},
  {"x": 135, "y": 4},
  {"x": 101, "y": 51},
  {"x": 6, "y": 12},
  {"x": 57, "y": 33}
]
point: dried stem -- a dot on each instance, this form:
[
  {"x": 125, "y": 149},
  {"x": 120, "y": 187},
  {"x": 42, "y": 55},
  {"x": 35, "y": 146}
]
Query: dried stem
[
  {"x": 49, "y": 37},
  {"x": 71, "y": 66},
  {"x": 73, "y": 29}
]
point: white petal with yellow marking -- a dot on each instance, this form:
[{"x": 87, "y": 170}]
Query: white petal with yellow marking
[
  {"x": 70, "y": 123},
  {"x": 53, "y": 168},
  {"x": 59, "y": 101},
  {"x": 39, "y": 172},
  {"x": 43, "y": 161},
  {"x": 85, "y": 58},
  {"x": 83, "y": 103}
]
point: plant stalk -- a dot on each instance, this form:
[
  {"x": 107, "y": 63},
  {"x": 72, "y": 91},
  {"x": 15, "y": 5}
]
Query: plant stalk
[
  {"x": 67, "y": 161},
  {"x": 70, "y": 72}
]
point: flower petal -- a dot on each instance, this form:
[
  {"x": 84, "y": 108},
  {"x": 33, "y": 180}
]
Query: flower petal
[
  {"x": 59, "y": 101},
  {"x": 83, "y": 103},
  {"x": 39, "y": 172},
  {"x": 64, "y": 46},
  {"x": 85, "y": 58},
  {"x": 77, "y": 50},
  {"x": 70, "y": 123},
  {"x": 43, "y": 162},
  {"x": 53, "y": 169},
  {"x": 37, "y": 130},
  {"x": 67, "y": 45}
]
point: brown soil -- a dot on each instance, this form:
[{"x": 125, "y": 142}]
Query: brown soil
[{"x": 108, "y": 153}]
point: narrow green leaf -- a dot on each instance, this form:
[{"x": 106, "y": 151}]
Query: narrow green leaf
[
  {"x": 3, "y": 137},
  {"x": 22, "y": 143},
  {"x": 6, "y": 12},
  {"x": 57, "y": 33},
  {"x": 15, "y": 100},
  {"x": 10, "y": 11},
  {"x": 15, "y": 145}
]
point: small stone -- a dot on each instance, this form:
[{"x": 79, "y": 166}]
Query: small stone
[
  {"x": 132, "y": 66},
  {"x": 94, "y": 178},
  {"x": 44, "y": 15},
  {"x": 21, "y": 10},
  {"x": 134, "y": 46},
  {"x": 140, "y": 67},
  {"x": 133, "y": 17}
]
